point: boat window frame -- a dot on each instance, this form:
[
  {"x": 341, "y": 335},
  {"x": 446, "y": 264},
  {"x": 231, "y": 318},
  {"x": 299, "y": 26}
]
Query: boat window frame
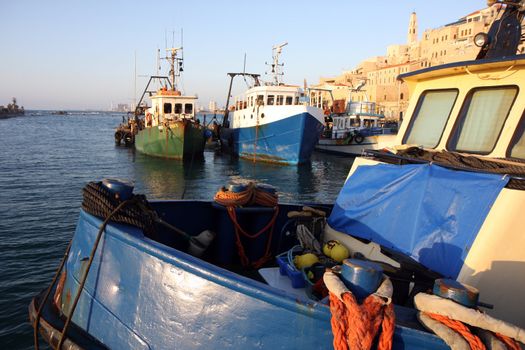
[
  {"x": 418, "y": 108},
  {"x": 287, "y": 99},
  {"x": 518, "y": 133},
  {"x": 279, "y": 100},
  {"x": 167, "y": 110},
  {"x": 462, "y": 113},
  {"x": 272, "y": 100},
  {"x": 186, "y": 106},
  {"x": 175, "y": 108}
]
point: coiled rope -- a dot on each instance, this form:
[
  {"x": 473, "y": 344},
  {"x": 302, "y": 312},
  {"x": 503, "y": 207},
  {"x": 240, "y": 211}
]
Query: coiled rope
[
  {"x": 98, "y": 201},
  {"x": 251, "y": 196},
  {"x": 469, "y": 163}
]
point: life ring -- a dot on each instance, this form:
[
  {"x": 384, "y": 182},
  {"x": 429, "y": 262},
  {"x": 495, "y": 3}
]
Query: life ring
[
  {"x": 118, "y": 137},
  {"x": 359, "y": 138}
]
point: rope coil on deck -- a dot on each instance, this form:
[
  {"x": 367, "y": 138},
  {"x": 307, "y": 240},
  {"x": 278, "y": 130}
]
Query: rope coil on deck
[
  {"x": 250, "y": 196},
  {"x": 98, "y": 201}
]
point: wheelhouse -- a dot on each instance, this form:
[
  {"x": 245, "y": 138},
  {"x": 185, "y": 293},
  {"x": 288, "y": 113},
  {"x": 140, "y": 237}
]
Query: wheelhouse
[
  {"x": 482, "y": 113},
  {"x": 169, "y": 105}
]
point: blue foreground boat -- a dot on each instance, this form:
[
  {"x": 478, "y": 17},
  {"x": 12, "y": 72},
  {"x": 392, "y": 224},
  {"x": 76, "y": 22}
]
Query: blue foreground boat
[{"x": 149, "y": 294}]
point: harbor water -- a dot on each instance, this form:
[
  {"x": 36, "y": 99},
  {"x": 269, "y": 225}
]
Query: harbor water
[{"x": 46, "y": 159}]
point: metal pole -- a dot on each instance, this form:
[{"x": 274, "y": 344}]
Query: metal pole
[{"x": 226, "y": 110}]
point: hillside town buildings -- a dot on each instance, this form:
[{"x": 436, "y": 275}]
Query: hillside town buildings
[{"x": 375, "y": 79}]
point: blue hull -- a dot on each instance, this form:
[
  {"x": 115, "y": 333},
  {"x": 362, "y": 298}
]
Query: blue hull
[
  {"x": 142, "y": 294},
  {"x": 287, "y": 141}
]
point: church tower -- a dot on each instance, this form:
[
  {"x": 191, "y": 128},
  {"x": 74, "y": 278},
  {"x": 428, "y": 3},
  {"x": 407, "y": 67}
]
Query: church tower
[{"x": 412, "y": 29}]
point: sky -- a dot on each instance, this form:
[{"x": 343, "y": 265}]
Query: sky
[{"x": 76, "y": 54}]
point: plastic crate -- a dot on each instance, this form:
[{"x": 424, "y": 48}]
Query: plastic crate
[{"x": 285, "y": 269}]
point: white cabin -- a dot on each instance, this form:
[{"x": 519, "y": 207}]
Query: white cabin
[{"x": 169, "y": 105}]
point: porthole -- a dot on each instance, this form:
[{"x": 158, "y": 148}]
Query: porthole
[
  {"x": 262, "y": 115},
  {"x": 251, "y": 116}
]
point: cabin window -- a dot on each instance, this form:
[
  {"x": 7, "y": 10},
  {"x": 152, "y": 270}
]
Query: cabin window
[
  {"x": 271, "y": 99},
  {"x": 481, "y": 119},
  {"x": 280, "y": 100},
  {"x": 167, "y": 108},
  {"x": 296, "y": 100},
  {"x": 178, "y": 108},
  {"x": 289, "y": 100},
  {"x": 430, "y": 116},
  {"x": 188, "y": 108},
  {"x": 260, "y": 100},
  {"x": 517, "y": 146}
]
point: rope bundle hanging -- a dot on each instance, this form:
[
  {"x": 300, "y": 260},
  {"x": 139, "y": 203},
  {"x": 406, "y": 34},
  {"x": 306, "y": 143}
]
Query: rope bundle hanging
[
  {"x": 470, "y": 163},
  {"x": 98, "y": 201},
  {"x": 356, "y": 326},
  {"x": 252, "y": 195}
]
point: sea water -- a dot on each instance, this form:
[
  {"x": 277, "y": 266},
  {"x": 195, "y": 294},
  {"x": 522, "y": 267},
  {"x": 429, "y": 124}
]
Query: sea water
[{"x": 46, "y": 159}]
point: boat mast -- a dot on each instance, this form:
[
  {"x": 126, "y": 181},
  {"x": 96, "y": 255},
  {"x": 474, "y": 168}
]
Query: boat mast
[
  {"x": 175, "y": 65},
  {"x": 276, "y": 66}
]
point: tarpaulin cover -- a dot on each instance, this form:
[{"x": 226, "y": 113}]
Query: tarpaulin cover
[{"x": 427, "y": 212}]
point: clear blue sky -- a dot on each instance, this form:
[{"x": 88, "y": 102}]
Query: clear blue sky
[{"x": 80, "y": 54}]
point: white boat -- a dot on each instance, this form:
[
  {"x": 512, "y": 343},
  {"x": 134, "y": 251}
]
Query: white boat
[
  {"x": 360, "y": 128},
  {"x": 273, "y": 122}
]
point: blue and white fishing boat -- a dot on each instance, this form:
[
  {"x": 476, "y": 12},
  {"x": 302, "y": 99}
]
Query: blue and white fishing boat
[
  {"x": 272, "y": 122},
  {"x": 360, "y": 128},
  {"x": 444, "y": 213}
]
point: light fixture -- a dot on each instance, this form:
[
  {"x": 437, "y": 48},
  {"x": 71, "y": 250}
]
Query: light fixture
[{"x": 481, "y": 39}]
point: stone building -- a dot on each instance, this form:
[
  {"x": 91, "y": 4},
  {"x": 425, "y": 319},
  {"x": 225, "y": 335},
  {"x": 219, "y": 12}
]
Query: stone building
[{"x": 375, "y": 79}]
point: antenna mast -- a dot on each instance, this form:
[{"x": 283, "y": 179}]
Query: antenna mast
[
  {"x": 276, "y": 66},
  {"x": 175, "y": 65}
]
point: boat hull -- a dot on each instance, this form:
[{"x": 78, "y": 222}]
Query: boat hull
[
  {"x": 290, "y": 140},
  {"x": 177, "y": 141},
  {"x": 341, "y": 147},
  {"x": 141, "y": 294}
]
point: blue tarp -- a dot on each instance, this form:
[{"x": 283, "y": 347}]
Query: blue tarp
[{"x": 424, "y": 211}]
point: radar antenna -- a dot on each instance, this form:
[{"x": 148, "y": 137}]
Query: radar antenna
[
  {"x": 176, "y": 65},
  {"x": 276, "y": 66}
]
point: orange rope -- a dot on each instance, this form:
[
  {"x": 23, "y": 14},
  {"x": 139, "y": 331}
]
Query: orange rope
[
  {"x": 252, "y": 195},
  {"x": 242, "y": 252},
  {"x": 228, "y": 198},
  {"x": 473, "y": 341},
  {"x": 355, "y": 326},
  {"x": 510, "y": 343}
]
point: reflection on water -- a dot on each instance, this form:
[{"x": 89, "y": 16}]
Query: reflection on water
[{"x": 160, "y": 178}]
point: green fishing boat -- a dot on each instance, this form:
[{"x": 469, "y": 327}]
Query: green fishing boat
[{"x": 168, "y": 128}]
